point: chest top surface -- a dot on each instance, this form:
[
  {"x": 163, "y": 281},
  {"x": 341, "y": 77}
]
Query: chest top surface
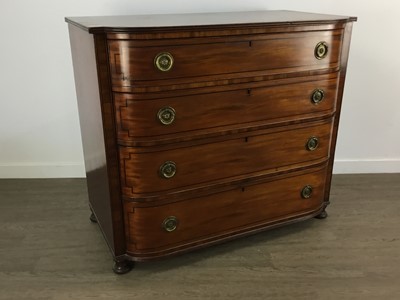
[{"x": 206, "y": 20}]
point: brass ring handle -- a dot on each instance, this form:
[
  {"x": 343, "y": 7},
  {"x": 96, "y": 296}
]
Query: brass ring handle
[
  {"x": 312, "y": 143},
  {"x": 168, "y": 169},
  {"x": 170, "y": 223},
  {"x": 321, "y": 50},
  {"x": 164, "y": 61},
  {"x": 166, "y": 115},
  {"x": 317, "y": 96},
  {"x": 306, "y": 192}
]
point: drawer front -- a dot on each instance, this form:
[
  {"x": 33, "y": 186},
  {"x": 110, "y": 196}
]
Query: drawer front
[
  {"x": 132, "y": 63},
  {"x": 203, "y": 218},
  {"x": 144, "y": 118},
  {"x": 158, "y": 171}
]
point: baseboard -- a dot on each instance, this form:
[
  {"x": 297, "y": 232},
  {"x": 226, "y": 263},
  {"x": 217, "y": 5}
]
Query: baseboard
[
  {"x": 42, "y": 170},
  {"x": 366, "y": 166}
]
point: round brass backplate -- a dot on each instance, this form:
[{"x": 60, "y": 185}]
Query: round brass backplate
[
  {"x": 321, "y": 50},
  {"x": 164, "y": 61},
  {"x": 306, "y": 192},
  {"x": 168, "y": 169},
  {"x": 166, "y": 115},
  {"x": 312, "y": 143},
  {"x": 317, "y": 96},
  {"x": 170, "y": 224}
]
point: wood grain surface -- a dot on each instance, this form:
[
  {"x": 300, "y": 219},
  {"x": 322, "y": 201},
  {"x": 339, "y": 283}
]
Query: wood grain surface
[
  {"x": 274, "y": 53},
  {"x": 226, "y": 159},
  {"x": 137, "y": 117},
  {"x": 204, "y": 219},
  {"x": 203, "y": 20},
  {"x": 97, "y": 122}
]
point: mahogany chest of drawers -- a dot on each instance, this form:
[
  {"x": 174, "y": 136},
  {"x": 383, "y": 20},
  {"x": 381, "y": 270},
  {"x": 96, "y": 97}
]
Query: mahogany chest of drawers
[{"x": 201, "y": 128}]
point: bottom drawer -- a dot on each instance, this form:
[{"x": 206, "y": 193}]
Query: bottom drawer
[{"x": 187, "y": 223}]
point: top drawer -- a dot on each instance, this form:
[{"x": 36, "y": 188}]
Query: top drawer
[{"x": 135, "y": 62}]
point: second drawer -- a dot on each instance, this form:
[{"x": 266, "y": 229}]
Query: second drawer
[
  {"x": 186, "y": 115},
  {"x": 155, "y": 171}
]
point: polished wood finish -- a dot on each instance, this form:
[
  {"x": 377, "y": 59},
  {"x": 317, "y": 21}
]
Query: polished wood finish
[
  {"x": 219, "y": 161},
  {"x": 171, "y": 22},
  {"x": 205, "y": 219},
  {"x": 90, "y": 116},
  {"x": 269, "y": 54},
  {"x": 98, "y": 134},
  {"x": 343, "y": 68},
  {"x": 137, "y": 117},
  {"x": 239, "y": 155}
]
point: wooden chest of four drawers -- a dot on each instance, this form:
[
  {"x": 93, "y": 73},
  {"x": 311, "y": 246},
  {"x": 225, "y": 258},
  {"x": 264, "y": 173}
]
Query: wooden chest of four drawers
[{"x": 200, "y": 128}]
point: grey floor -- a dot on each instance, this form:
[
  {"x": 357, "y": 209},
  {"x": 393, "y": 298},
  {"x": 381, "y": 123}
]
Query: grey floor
[{"x": 50, "y": 250}]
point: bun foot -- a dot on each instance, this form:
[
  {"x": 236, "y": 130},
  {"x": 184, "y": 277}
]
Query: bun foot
[
  {"x": 93, "y": 218},
  {"x": 122, "y": 267},
  {"x": 322, "y": 215}
]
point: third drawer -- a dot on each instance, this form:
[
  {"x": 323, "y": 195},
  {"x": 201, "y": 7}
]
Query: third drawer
[{"x": 154, "y": 170}]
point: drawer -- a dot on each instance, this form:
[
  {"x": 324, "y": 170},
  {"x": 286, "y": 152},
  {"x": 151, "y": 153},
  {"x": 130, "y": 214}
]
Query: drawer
[
  {"x": 226, "y": 213},
  {"x": 184, "y": 114},
  {"x": 133, "y": 62},
  {"x": 155, "y": 171}
]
